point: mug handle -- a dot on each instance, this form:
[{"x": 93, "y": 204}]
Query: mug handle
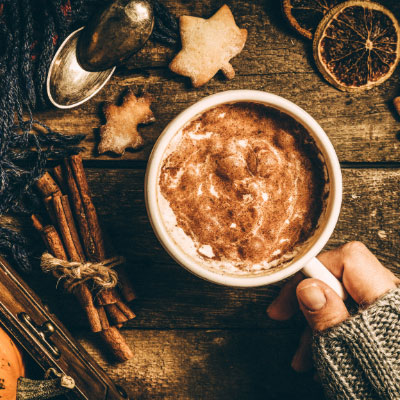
[{"x": 315, "y": 269}]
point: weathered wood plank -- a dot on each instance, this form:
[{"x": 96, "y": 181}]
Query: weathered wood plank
[
  {"x": 193, "y": 339},
  {"x": 170, "y": 297},
  {"x": 209, "y": 365},
  {"x": 363, "y": 126}
]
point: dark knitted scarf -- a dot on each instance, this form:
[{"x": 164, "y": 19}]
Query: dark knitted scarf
[{"x": 30, "y": 32}]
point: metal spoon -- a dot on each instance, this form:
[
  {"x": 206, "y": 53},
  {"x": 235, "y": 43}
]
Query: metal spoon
[{"x": 88, "y": 57}]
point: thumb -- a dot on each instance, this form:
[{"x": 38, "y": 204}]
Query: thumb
[{"x": 321, "y": 306}]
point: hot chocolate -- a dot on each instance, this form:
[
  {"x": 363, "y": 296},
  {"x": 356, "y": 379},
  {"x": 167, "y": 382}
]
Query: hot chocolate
[{"x": 241, "y": 188}]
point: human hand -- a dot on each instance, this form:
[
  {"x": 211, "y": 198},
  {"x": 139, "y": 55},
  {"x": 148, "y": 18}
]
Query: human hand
[{"x": 364, "y": 278}]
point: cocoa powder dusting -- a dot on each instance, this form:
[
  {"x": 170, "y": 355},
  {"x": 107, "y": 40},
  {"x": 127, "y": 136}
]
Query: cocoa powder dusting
[{"x": 245, "y": 184}]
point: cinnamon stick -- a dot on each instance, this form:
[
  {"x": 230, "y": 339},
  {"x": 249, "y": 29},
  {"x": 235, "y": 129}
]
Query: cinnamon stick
[
  {"x": 126, "y": 310},
  {"x": 67, "y": 228},
  {"x": 74, "y": 249},
  {"x": 115, "y": 314},
  {"x": 117, "y": 344},
  {"x": 46, "y": 185},
  {"x": 106, "y": 296},
  {"x": 119, "y": 313},
  {"x": 85, "y": 298},
  {"x": 79, "y": 210},
  {"x": 103, "y": 318},
  {"x": 54, "y": 243},
  {"x": 90, "y": 211},
  {"x": 81, "y": 292},
  {"x": 59, "y": 177},
  {"x": 37, "y": 222},
  {"x": 48, "y": 204},
  {"x": 50, "y": 237}
]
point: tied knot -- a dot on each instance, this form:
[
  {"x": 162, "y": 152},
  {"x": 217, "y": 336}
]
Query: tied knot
[{"x": 75, "y": 273}]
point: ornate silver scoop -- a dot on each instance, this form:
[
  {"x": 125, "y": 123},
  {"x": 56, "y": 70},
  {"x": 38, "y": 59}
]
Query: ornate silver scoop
[{"x": 88, "y": 57}]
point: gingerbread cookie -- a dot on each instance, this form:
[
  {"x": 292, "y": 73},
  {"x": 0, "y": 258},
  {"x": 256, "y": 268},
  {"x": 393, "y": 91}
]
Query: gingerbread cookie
[
  {"x": 120, "y": 130},
  {"x": 207, "y": 46}
]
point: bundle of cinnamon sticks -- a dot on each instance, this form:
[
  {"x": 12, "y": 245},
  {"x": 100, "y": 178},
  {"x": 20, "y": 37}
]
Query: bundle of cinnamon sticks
[{"x": 73, "y": 233}]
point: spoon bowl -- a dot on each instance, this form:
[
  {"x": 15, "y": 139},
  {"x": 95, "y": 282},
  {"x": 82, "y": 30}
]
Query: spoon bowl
[
  {"x": 68, "y": 84},
  {"x": 88, "y": 57}
]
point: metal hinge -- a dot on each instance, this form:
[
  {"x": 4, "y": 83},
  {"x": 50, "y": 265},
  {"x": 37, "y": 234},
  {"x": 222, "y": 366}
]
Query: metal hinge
[{"x": 41, "y": 333}]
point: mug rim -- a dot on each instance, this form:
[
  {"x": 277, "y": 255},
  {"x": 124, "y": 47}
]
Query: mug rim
[{"x": 233, "y": 96}]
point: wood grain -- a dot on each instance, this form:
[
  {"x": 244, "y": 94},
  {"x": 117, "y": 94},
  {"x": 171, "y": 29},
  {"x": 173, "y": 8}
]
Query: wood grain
[
  {"x": 193, "y": 339},
  {"x": 212, "y": 364},
  {"x": 169, "y": 297},
  {"x": 363, "y": 127}
]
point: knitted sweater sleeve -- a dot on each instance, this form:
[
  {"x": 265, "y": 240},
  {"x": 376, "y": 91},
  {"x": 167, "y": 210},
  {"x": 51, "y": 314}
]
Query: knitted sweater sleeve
[{"x": 359, "y": 359}]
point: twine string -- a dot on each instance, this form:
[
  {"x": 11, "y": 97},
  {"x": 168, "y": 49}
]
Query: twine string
[{"x": 75, "y": 273}]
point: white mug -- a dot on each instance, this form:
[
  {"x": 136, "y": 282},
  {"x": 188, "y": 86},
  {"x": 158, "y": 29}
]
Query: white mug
[{"x": 306, "y": 260}]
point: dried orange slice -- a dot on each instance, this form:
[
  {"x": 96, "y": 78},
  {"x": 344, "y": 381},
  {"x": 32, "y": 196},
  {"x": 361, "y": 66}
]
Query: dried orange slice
[
  {"x": 357, "y": 45},
  {"x": 305, "y": 15}
]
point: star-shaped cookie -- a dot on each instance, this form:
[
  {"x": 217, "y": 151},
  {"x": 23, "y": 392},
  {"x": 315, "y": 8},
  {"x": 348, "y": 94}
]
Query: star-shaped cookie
[
  {"x": 120, "y": 130},
  {"x": 207, "y": 46}
]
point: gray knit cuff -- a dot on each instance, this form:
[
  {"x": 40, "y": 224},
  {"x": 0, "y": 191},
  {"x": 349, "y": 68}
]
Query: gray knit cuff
[{"x": 359, "y": 359}]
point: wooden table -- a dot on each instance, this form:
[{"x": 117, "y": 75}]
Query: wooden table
[{"x": 193, "y": 339}]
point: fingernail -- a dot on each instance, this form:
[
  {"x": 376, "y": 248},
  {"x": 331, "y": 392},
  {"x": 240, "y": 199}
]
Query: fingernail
[{"x": 312, "y": 297}]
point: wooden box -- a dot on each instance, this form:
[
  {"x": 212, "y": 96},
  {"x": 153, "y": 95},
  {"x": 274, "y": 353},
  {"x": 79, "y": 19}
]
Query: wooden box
[{"x": 48, "y": 342}]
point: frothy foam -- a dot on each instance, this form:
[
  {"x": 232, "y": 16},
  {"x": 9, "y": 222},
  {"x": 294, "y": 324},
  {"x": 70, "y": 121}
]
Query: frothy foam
[{"x": 241, "y": 188}]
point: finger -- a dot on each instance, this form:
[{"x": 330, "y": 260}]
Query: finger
[
  {"x": 302, "y": 360},
  {"x": 363, "y": 276},
  {"x": 334, "y": 260},
  {"x": 320, "y": 304},
  {"x": 285, "y": 305}
]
